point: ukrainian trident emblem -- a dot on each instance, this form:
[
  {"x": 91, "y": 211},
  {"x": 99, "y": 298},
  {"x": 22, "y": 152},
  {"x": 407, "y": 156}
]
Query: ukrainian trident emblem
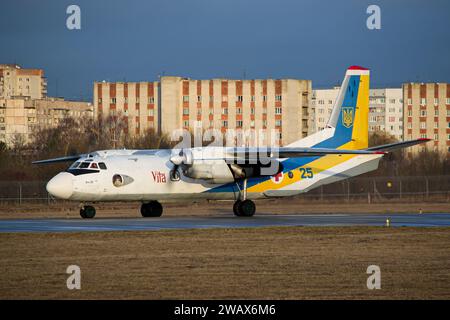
[{"x": 347, "y": 117}]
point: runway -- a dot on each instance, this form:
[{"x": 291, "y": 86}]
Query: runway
[{"x": 208, "y": 222}]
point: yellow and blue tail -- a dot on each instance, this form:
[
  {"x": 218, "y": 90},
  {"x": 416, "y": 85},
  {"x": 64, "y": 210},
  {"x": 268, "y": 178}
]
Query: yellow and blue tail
[{"x": 350, "y": 115}]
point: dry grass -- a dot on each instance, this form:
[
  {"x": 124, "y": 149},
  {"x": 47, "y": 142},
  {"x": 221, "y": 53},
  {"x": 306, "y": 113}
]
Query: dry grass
[{"x": 262, "y": 263}]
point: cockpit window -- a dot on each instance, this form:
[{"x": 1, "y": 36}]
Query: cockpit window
[
  {"x": 75, "y": 165},
  {"x": 102, "y": 165},
  {"x": 84, "y": 165},
  {"x": 94, "y": 165}
]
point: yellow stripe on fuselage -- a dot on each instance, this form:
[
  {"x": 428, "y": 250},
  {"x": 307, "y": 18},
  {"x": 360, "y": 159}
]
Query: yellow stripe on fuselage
[{"x": 359, "y": 141}]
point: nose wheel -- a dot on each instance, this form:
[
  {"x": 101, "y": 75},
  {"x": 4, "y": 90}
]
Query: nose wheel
[
  {"x": 151, "y": 209},
  {"x": 87, "y": 212}
]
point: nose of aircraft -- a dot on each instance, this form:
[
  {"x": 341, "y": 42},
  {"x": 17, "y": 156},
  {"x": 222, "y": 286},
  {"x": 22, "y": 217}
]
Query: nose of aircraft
[{"x": 61, "y": 185}]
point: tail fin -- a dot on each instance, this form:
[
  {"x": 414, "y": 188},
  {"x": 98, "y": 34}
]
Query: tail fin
[
  {"x": 348, "y": 127},
  {"x": 350, "y": 115}
]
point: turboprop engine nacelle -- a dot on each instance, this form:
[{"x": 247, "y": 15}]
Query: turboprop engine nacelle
[{"x": 214, "y": 171}]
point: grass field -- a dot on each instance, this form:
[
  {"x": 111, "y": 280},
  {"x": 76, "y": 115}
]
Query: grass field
[{"x": 259, "y": 263}]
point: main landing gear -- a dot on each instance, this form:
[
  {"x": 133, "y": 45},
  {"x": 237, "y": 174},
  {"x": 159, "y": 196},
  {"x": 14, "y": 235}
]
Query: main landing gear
[
  {"x": 244, "y": 207},
  {"x": 87, "y": 212},
  {"x": 151, "y": 209}
]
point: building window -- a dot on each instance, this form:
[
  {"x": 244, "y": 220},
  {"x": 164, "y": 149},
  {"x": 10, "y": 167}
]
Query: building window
[
  {"x": 113, "y": 100},
  {"x": 199, "y": 98},
  {"x": 199, "y": 111},
  {"x": 278, "y": 98},
  {"x": 224, "y": 123},
  {"x": 239, "y": 111},
  {"x": 253, "y": 98},
  {"x": 423, "y": 101},
  {"x": 277, "y": 123},
  {"x": 264, "y": 111},
  {"x": 423, "y": 125},
  {"x": 436, "y": 101},
  {"x": 252, "y": 110},
  {"x": 211, "y": 98},
  {"x": 224, "y": 110},
  {"x": 239, "y": 98},
  {"x": 435, "y": 125},
  {"x": 150, "y": 100},
  {"x": 409, "y": 101},
  {"x": 239, "y": 123},
  {"x": 409, "y": 113},
  {"x": 264, "y": 123},
  {"x": 447, "y": 101},
  {"x": 185, "y": 111},
  {"x": 264, "y": 98},
  {"x": 186, "y": 123},
  {"x": 185, "y": 98},
  {"x": 279, "y": 136},
  {"x": 277, "y": 110},
  {"x": 436, "y": 112},
  {"x": 252, "y": 123},
  {"x": 151, "y": 112},
  {"x": 423, "y": 113},
  {"x": 409, "y": 125}
]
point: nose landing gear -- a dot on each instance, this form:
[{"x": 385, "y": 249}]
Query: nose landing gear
[
  {"x": 151, "y": 209},
  {"x": 87, "y": 212}
]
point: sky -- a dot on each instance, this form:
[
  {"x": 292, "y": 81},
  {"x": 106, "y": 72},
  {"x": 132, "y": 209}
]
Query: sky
[{"x": 138, "y": 40}]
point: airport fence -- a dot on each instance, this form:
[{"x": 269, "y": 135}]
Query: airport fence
[{"x": 363, "y": 189}]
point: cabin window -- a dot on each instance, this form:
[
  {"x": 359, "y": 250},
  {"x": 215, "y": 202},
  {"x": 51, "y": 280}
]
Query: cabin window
[
  {"x": 94, "y": 165},
  {"x": 102, "y": 165}
]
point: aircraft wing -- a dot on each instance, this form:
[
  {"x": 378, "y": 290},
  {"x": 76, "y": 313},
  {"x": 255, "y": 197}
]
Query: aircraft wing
[
  {"x": 286, "y": 152},
  {"x": 398, "y": 145},
  {"x": 61, "y": 159}
]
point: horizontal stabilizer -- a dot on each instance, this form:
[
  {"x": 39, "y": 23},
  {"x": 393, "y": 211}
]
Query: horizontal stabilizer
[{"x": 398, "y": 145}]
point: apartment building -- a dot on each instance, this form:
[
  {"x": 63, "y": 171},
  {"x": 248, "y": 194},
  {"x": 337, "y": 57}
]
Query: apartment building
[
  {"x": 385, "y": 109},
  {"x": 18, "y": 82},
  {"x": 427, "y": 114},
  {"x": 19, "y": 117},
  {"x": 181, "y": 103}
]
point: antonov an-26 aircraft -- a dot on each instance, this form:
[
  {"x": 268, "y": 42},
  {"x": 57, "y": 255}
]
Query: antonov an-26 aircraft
[{"x": 337, "y": 152}]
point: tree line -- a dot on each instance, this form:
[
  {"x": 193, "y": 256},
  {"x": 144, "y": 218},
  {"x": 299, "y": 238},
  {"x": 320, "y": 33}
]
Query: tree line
[{"x": 77, "y": 136}]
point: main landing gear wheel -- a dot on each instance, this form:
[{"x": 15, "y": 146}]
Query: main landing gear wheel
[
  {"x": 236, "y": 208},
  {"x": 245, "y": 208},
  {"x": 151, "y": 209},
  {"x": 87, "y": 212}
]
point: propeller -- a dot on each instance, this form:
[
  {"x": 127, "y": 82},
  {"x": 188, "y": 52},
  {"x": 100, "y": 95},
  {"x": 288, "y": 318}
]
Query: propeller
[{"x": 184, "y": 157}]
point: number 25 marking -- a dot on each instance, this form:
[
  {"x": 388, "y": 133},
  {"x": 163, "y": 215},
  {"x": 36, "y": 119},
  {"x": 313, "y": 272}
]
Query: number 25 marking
[{"x": 306, "y": 173}]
